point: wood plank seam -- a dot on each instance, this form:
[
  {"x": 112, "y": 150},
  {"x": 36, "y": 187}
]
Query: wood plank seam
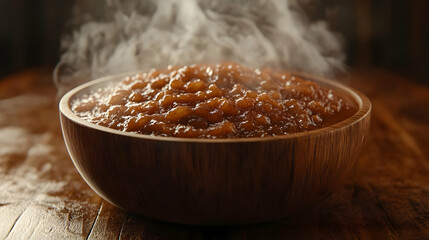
[
  {"x": 95, "y": 220},
  {"x": 14, "y": 224},
  {"x": 122, "y": 227}
]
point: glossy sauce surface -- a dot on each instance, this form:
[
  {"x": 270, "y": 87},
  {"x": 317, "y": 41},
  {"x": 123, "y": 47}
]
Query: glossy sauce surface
[{"x": 214, "y": 101}]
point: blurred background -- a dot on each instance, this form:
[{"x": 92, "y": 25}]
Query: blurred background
[{"x": 389, "y": 34}]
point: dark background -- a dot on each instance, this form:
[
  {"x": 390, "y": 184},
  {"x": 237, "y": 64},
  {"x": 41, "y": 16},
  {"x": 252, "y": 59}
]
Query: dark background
[{"x": 391, "y": 34}]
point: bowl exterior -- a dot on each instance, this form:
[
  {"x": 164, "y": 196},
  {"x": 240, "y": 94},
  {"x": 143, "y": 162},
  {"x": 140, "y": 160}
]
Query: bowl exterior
[{"x": 214, "y": 182}]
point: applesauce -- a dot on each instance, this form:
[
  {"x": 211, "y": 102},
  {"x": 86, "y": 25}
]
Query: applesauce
[{"x": 225, "y": 100}]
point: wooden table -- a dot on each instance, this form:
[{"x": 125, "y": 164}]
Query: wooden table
[{"x": 42, "y": 196}]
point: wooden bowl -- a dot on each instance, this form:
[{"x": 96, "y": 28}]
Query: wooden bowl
[{"x": 214, "y": 181}]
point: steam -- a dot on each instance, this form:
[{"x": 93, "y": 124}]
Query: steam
[{"x": 140, "y": 35}]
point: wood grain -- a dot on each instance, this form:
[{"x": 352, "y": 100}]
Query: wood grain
[{"x": 387, "y": 197}]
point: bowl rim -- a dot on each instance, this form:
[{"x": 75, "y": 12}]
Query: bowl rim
[{"x": 364, "y": 109}]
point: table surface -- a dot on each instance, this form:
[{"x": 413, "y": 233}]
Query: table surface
[{"x": 42, "y": 196}]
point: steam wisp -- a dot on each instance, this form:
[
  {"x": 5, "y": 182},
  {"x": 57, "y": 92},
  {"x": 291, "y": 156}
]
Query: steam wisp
[{"x": 140, "y": 35}]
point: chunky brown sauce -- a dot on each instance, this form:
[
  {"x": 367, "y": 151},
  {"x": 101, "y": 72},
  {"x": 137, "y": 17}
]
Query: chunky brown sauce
[{"x": 214, "y": 101}]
